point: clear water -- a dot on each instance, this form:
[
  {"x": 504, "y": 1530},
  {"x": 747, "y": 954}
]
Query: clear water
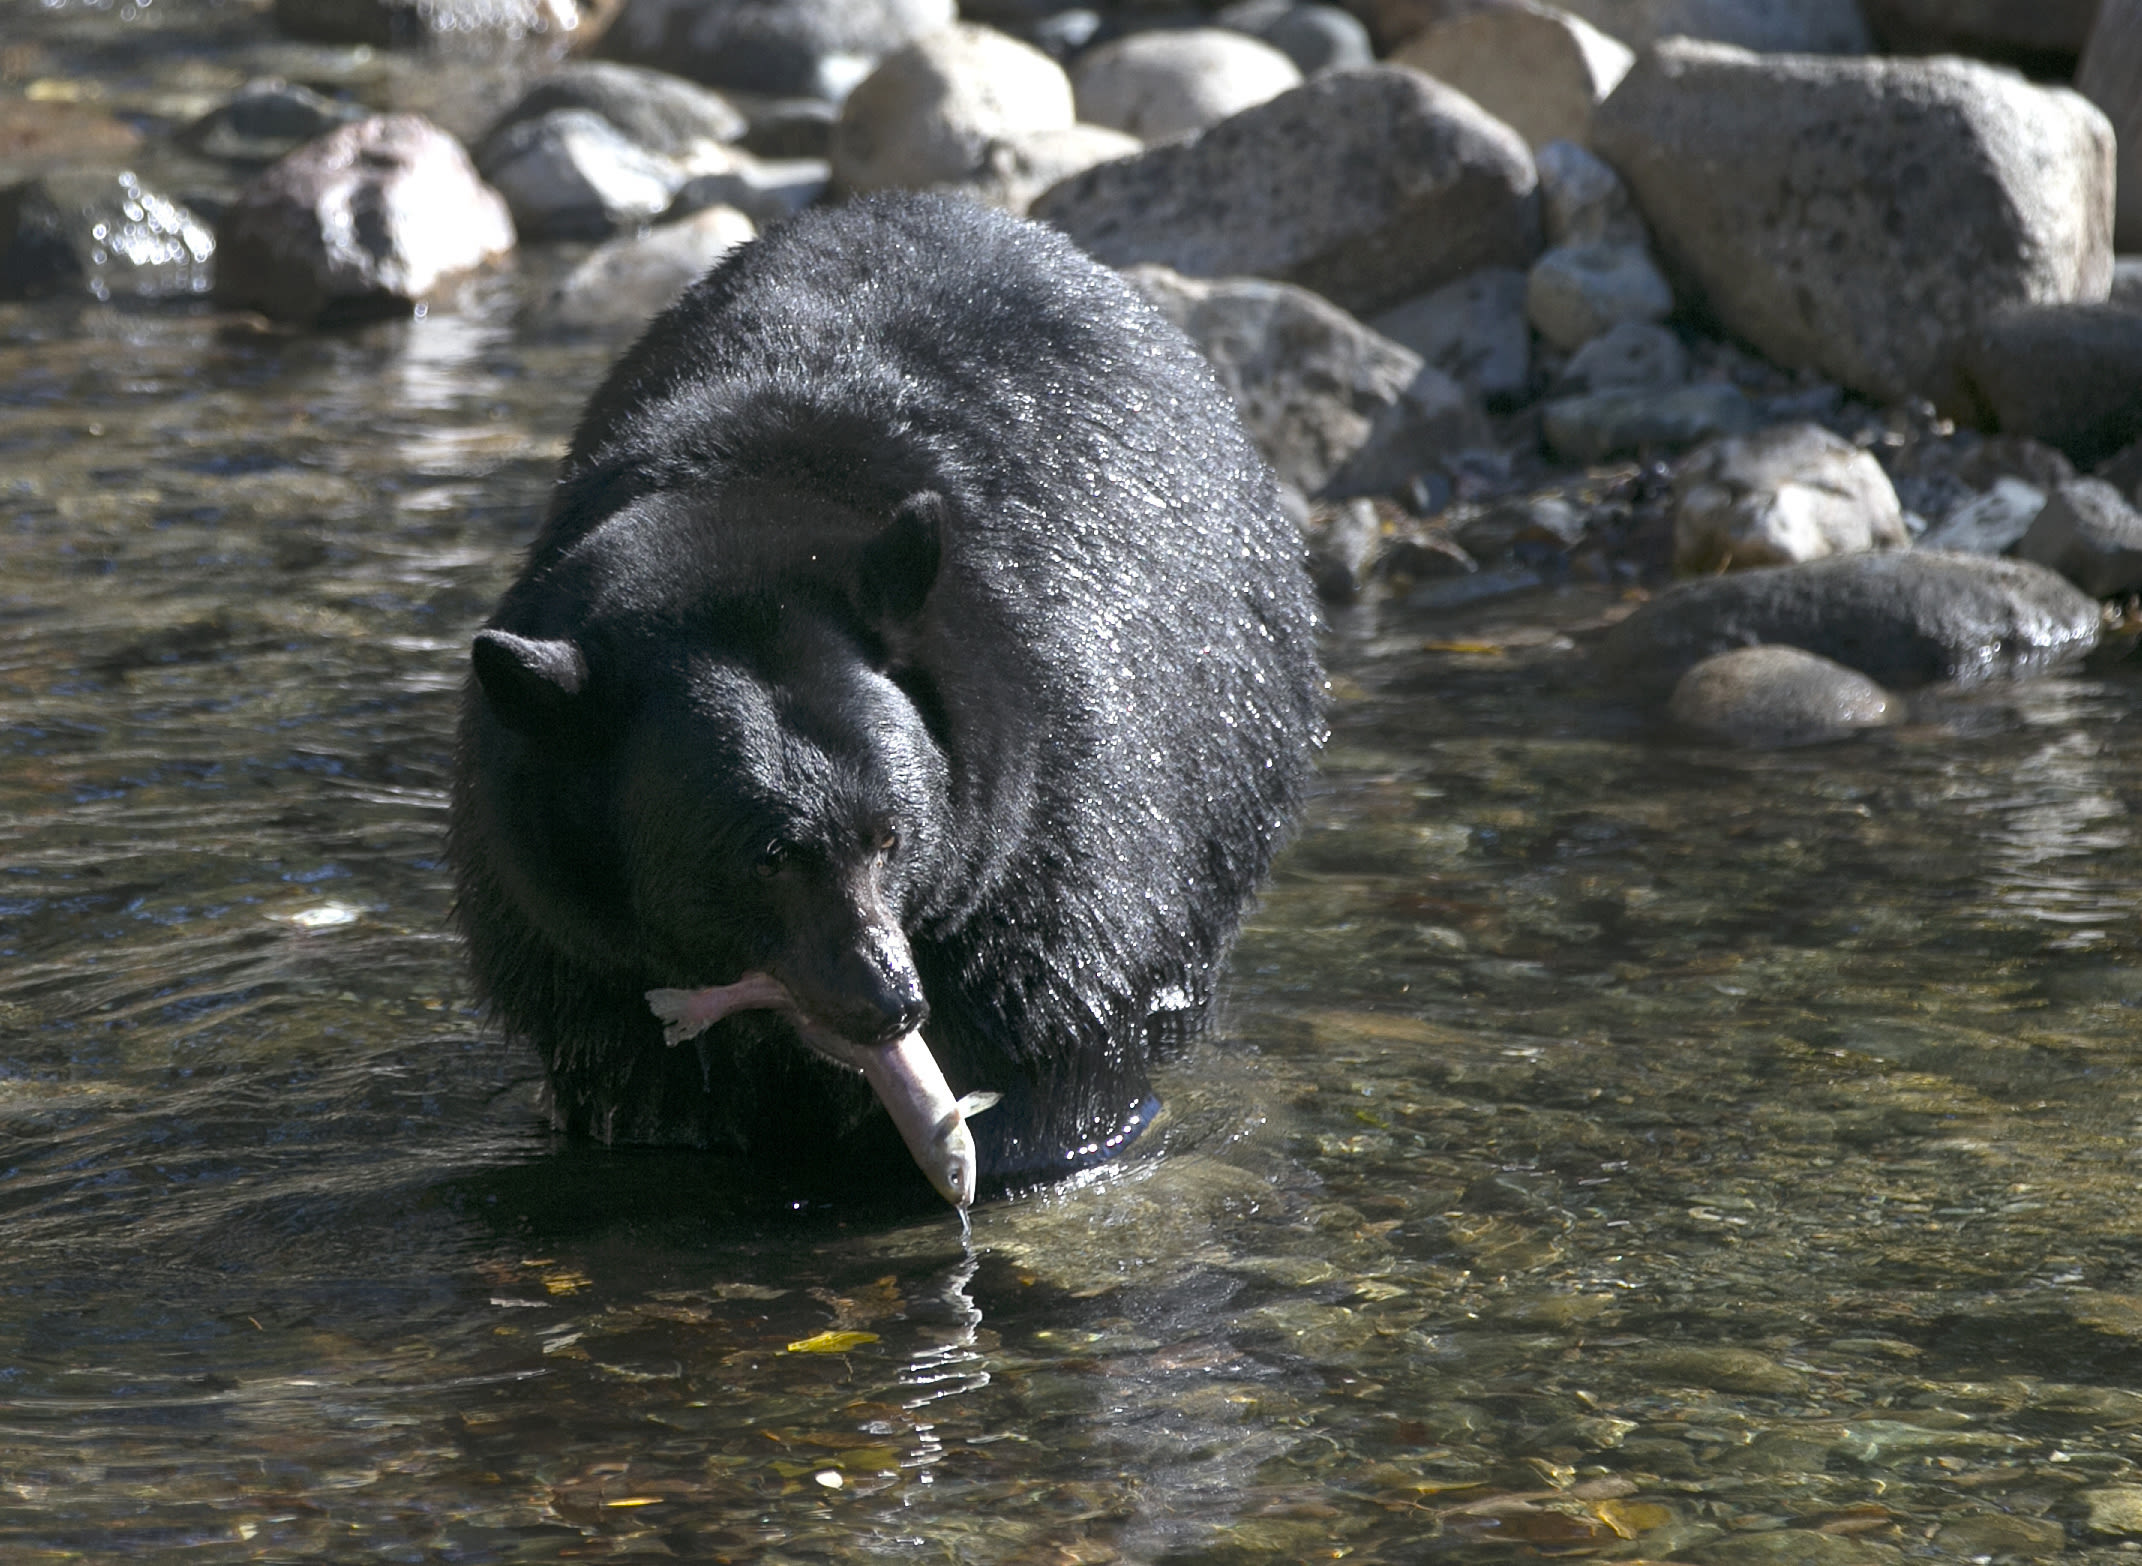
[{"x": 1612, "y": 1148}]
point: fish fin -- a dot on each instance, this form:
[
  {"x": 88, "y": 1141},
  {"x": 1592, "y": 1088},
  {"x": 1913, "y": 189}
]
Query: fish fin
[
  {"x": 975, "y": 1103},
  {"x": 673, "y": 1008}
]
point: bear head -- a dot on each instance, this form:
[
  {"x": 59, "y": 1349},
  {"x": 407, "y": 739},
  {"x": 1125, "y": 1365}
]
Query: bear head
[{"x": 703, "y": 755}]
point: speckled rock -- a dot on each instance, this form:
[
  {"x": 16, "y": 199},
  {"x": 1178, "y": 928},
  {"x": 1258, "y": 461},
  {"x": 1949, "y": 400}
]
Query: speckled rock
[
  {"x": 1774, "y": 26},
  {"x": 1642, "y": 421},
  {"x": 365, "y": 221},
  {"x": 2090, "y": 535},
  {"x": 1171, "y": 82},
  {"x": 1369, "y": 186},
  {"x": 933, "y": 112},
  {"x": 621, "y": 285},
  {"x": 1575, "y": 292},
  {"x": 2069, "y": 375},
  {"x": 1534, "y": 67},
  {"x": 1789, "y": 493},
  {"x": 779, "y": 48},
  {"x": 1907, "y": 618},
  {"x": 1337, "y": 409},
  {"x": 1631, "y": 356},
  {"x": 1473, "y": 330},
  {"x": 1860, "y": 216},
  {"x": 1768, "y": 698},
  {"x": 1582, "y": 200}
]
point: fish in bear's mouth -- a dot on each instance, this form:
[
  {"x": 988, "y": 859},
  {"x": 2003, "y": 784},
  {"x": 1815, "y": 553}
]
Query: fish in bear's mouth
[{"x": 903, "y": 1074}]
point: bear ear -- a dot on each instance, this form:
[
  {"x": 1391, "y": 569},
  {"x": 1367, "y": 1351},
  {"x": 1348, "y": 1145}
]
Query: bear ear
[
  {"x": 531, "y": 683},
  {"x": 899, "y": 566}
]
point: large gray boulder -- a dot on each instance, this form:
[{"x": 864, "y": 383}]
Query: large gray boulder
[
  {"x": 1861, "y": 216},
  {"x": 1538, "y": 69},
  {"x": 779, "y": 48},
  {"x": 368, "y": 220},
  {"x": 2070, "y": 376},
  {"x": 1336, "y": 408},
  {"x": 1916, "y": 617},
  {"x": 1369, "y": 186}
]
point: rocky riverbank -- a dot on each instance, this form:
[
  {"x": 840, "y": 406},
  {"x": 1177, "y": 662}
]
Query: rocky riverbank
[{"x": 1761, "y": 295}]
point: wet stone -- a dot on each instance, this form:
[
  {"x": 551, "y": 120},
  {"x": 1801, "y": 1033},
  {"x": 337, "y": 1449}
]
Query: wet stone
[
  {"x": 104, "y": 235},
  {"x": 1796, "y": 1547},
  {"x": 1772, "y": 697},
  {"x": 1907, "y": 618},
  {"x": 1723, "y": 1369},
  {"x": 1999, "y": 1534},
  {"x": 2115, "y": 1510},
  {"x": 367, "y": 220}
]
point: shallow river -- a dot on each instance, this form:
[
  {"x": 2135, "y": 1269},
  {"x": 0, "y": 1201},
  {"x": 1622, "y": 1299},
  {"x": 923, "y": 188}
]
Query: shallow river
[{"x": 1612, "y": 1148}]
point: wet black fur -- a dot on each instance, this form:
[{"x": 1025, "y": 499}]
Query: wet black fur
[{"x": 907, "y": 524}]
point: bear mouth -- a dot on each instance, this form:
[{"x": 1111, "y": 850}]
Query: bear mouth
[{"x": 903, "y": 1074}]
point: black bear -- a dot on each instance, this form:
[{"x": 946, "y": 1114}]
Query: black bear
[{"x": 914, "y": 641}]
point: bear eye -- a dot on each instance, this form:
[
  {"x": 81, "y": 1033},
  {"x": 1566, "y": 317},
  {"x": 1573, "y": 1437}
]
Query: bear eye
[
  {"x": 771, "y": 858},
  {"x": 888, "y": 840}
]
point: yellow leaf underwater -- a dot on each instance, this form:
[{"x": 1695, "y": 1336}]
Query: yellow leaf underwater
[{"x": 831, "y": 1343}]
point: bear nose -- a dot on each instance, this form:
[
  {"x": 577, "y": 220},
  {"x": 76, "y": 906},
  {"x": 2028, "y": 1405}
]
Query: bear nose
[{"x": 902, "y": 1014}]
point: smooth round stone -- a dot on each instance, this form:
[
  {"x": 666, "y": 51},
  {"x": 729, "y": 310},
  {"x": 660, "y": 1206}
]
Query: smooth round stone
[
  {"x": 931, "y": 113},
  {"x": 1770, "y": 697},
  {"x": 1160, "y": 85}
]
